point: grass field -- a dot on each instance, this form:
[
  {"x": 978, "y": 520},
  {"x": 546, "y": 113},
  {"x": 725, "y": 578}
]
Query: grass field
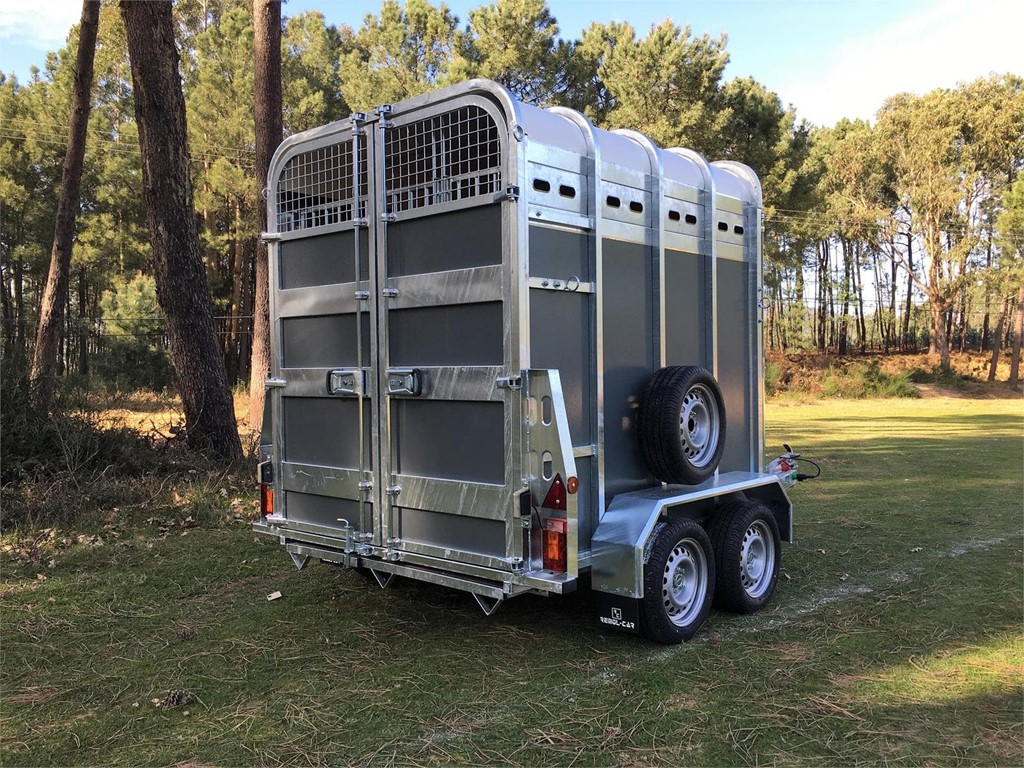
[{"x": 895, "y": 635}]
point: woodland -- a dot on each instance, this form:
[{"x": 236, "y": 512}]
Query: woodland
[{"x": 903, "y": 233}]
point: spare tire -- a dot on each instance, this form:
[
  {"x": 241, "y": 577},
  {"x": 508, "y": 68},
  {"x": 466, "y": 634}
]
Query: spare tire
[{"x": 681, "y": 424}]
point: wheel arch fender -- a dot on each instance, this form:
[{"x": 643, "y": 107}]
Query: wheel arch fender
[{"x": 620, "y": 541}]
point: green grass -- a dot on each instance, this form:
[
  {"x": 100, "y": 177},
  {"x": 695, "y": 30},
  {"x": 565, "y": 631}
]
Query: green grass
[{"x": 895, "y": 635}]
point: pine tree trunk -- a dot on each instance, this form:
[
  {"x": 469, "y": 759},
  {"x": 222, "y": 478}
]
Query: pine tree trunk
[
  {"x": 997, "y": 344},
  {"x": 905, "y": 344},
  {"x": 858, "y": 282},
  {"x": 83, "y": 325},
  {"x": 267, "y": 108},
  {"x": 844, "y": 327},
  {"x": 1018, "y": 329},
  {"x": 55, "y": 294},
  {"x": 822, "y": 296},
  {"x": 181, "y": 284},
  {"x": 7, "y": 313}
]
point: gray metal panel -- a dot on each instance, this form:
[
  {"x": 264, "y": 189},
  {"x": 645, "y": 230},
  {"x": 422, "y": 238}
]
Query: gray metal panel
[
  {"x": 456, "y": 240},
  {"x": 461, "y": 286},
  {"x": 322, "y": 260},
  {"x": 449, "y": 439},
  {"x": 560, "y": 254},
  {"x": 685, "y": 311},
  {"x": 560, "y": 339},
  {"x": 321, "y": 430},
  {"x": 463, "y": 334},
  {"x": 470, "y": 534},
  {"x": 456, "y": 497},
  {"x": 322, "y": 341},
  {"x": 735, "y": 305},
  {"x": 321, "y": 510},
  {"x": 628, "y": 360}
]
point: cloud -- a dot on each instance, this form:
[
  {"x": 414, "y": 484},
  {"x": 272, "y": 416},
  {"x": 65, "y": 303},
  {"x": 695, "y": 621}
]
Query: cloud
[
  {"x": 953, "y": 42},
  {"x": 39, "y": 23}
]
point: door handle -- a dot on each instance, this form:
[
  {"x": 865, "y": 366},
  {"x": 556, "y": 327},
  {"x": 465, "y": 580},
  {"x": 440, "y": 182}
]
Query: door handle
[
  {"x": 405, "y": 382},
  {"x": 346, "y": 382}
]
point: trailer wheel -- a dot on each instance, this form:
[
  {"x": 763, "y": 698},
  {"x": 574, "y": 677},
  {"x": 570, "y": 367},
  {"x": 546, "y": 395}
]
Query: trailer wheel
[
  {"x": 745, "y": 539},
  {"x": 681, "y": 424},
  {"x": 679, "y": 582}
]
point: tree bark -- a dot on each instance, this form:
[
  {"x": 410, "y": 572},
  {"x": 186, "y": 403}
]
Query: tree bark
[
  {"x": 1018, "y": 329},
  {"x": 55, "y": 294},
  {"x": 83, "y": 326},
  {"x": 181, "y": 284},
  {"x": 267, "y": 109},
  {"x": 905, "y": 344},
  {"x": 997, "y": 345}
]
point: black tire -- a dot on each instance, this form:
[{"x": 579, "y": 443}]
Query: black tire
[
  {"x": 679, "y": 583},
  {"x": 681, "y": 425},
  {"x": 748, "y": 552}
]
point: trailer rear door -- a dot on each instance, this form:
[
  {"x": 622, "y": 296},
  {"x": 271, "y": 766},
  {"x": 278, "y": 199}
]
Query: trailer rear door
[
  {"x": 396, "y": 408},
  {"x": 443, "y": 327}
]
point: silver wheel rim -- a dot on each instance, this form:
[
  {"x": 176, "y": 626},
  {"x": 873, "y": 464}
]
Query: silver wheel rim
[
  {"x": 699, "y": 425},
  {"x": 757, "y": 559},
  {"x": 684, "y": 582}
]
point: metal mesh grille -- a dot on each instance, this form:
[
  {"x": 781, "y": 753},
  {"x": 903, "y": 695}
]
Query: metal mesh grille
[
  {"x": 315, "y": 188},
  {"x": 448, "y": 157}
]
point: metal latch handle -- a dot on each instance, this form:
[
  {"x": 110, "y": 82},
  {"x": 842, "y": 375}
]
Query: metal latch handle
[
  {"x": 346, "y": 382},
  {"x": 407, "y": 382}
]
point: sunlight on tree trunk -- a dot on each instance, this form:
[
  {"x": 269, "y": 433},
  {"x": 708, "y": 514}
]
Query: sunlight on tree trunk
[{"x": 267, "y": 107}]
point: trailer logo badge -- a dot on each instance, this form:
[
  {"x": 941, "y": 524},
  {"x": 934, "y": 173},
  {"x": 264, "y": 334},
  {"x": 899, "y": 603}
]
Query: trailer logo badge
[{"x": 617, "y": 620}]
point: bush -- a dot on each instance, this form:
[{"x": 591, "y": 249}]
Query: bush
[
  {"x": 50, "y": 455},
  {"x": 133, "y": 355},
  {"x": 772, "y": 377},
  {"x": 865, "y": 380}
]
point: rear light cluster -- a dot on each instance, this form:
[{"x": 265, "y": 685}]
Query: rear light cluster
[
  {"x": 266, "y": 500},
  {"x": 555, "y": 529},
  {"x": 266, "y": 477}
]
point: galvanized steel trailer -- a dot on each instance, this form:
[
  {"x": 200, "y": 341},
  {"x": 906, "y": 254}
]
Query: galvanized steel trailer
[{"x": 506, "y": 348}]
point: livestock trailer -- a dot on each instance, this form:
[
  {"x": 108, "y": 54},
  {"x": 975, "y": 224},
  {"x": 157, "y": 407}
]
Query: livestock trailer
[{"x": 506, "y": 348}]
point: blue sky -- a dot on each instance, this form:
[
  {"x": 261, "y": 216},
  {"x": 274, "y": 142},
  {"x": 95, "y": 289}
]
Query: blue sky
[{"x": 829, "y": 58}]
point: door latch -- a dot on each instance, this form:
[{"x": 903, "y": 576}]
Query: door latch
[
  {"x": 405, "y": 381},
  {"x": 347, "y": 382}
]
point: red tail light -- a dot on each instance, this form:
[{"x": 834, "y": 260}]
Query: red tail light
[
  {"x": 555, "y": 544},
  {"x": 266, "y": 500}
]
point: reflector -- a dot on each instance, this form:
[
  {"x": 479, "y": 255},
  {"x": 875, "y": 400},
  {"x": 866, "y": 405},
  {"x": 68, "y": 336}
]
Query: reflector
[{"x": 556, "y": 494}]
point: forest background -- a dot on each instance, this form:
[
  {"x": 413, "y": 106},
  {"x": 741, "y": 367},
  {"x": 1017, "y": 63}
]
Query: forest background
[{"x": 900, "y": 234}]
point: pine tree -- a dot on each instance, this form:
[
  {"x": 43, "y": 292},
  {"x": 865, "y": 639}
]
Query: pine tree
[{"x": 167, "y": 191}]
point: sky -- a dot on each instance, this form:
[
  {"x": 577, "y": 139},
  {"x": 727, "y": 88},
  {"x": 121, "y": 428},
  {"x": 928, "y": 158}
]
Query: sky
[{"x": 828, "y": 58}]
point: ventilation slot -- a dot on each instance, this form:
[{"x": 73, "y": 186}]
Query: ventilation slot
[
  {"x": 673, "y": 215},
  {"x": 613, "y": 202},
  {"x": 566, "y": 191},
  {"x": 636, "y": 207},
  {"x": 738, "y": 229},
  {"x": 691, "y": 219},
  {"x": 723, "y": 227},
  {"x": 541, "y": 186}
]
